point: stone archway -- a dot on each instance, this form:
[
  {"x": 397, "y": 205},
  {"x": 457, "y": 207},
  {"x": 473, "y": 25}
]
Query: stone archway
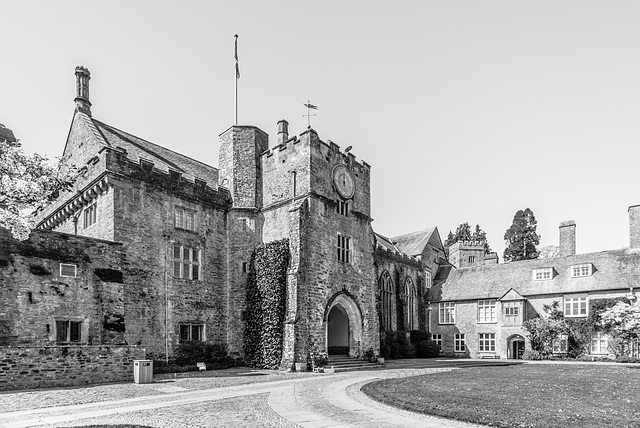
[
  {"x": 343, "y": 321},
  {"x": 515, "y": 347}
]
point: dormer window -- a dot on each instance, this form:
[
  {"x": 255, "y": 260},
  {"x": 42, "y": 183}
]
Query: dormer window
[
  {"x": 578, "y": 271},
  {"x": 542, "y": 274}
]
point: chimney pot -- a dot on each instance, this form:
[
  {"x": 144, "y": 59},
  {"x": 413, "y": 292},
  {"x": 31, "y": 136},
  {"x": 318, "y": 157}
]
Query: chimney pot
[
  {"x": 82, "y": 90},
  {"x": 567, "y": 238},
  {"x": 283, "y": 131}
]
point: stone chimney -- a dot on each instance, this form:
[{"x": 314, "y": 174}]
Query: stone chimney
[
  {"x": 490, "y": 258},
  {"x": 634, "y": 227},
  {"x": 567, "y": 238},
  {"x": 283, "y": 131},
  {"x": 82, "y": 90}
]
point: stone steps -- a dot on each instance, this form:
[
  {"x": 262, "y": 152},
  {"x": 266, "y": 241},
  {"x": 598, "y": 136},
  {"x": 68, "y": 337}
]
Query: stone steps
[{"x": 344, "y": 363}]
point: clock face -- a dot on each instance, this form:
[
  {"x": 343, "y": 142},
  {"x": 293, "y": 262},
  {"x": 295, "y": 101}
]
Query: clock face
[{"x": 343, "y": 181}]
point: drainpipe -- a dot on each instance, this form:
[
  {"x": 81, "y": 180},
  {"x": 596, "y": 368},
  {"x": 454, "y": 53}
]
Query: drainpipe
[{"x": 166, "y": 309}]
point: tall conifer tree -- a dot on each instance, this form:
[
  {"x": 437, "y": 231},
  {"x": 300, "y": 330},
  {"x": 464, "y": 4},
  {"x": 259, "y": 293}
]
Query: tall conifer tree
[{"x": 521, "y": 238}]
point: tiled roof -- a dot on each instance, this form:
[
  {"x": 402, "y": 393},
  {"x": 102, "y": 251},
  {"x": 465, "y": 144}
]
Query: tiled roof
[
  {"x": 611, "y": 270},
  {"x": 163, "y": 158},
  {"x": 385, "y": 242},
  {"x": 413, "y": 243}
]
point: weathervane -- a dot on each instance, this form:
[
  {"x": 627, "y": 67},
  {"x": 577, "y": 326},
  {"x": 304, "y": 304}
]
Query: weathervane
[{"x": 309, "y": 107}]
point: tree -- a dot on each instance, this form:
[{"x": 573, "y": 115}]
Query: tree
[
  {"x": 463, "y": 233},
  {"x": 622, "y": 322},
  {"x": 521, "y": 238},
  {"x": 28, "y": 183}
]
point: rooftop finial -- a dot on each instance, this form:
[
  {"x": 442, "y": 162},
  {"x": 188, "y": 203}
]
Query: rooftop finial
[{"x": 82, "y": 90}]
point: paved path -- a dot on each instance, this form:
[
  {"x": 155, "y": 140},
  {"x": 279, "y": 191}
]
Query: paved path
[{"x": 329, "y": 400}]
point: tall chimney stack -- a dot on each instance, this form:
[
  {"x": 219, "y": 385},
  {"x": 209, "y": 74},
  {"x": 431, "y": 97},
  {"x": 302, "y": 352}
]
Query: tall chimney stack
[
  {"x": 567, "y": 238},
  {"x": 283, "y": 131},
  {"x": 634, "y": 227},
  {"x": 82, "y": 90}
]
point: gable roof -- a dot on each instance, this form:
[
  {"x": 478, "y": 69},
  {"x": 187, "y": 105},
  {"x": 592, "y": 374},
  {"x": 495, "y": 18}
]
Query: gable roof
[
  {"x": 385, "y": 243},
  {"x": 163, "y": 158},
  {"x": 612, "y": 270},
  {"x": 413, "y": 243}
]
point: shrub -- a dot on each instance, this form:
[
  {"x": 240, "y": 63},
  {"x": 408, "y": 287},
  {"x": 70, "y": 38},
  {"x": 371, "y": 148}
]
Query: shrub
[
  {"x": 369, "y": 355},
  {"x": 531, "y": 354},
  {"x": 418, "y": 336},
  {"x": 627, "y": 359},
  {"x": 188, "y": 353},
  {"x": 427, "y": 349}
]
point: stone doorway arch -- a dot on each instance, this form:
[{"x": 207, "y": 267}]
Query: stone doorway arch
[
  {"x": 515, "y": 347},
  {"x": 343, "y": 322}
]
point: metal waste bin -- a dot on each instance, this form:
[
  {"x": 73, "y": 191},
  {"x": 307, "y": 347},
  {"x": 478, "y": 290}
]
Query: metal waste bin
[{"x": 142, "y": 371}]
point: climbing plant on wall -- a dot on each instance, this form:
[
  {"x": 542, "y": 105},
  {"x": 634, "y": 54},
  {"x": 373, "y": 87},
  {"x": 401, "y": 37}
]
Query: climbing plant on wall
[{"x": 266, "y": 305}]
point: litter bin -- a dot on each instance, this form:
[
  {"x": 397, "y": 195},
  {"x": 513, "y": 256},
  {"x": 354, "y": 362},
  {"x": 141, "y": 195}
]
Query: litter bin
[{"x": 142, "y": 371}]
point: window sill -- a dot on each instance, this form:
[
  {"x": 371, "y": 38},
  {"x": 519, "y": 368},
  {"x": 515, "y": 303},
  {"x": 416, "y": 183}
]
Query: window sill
[{"x": 487, "y": 322}]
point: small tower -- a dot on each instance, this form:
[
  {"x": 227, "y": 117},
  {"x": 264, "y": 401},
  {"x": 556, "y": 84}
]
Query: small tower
[
  {"x": 466, "y": 253},
  {"x": 82, "y": 90}
]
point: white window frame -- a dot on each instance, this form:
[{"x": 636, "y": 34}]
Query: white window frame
[
  {"x": 190, "y": 329},
  {"x": 542, "y": 274},
  {"x": 487, "y": 311},
  {"x": 69, "y": 323},
  {"x": 511, "y": 311},
  {"x": 574, "y": 306},
  {"x": 344, "y": 248},
  {"x": 75, "y": 270},
  {"x": 194, "y": 264},
  {"x": 184, "y": 218},
  {"x": 427, "y": 279},
  {"x": 599, "y": 344},
  {"x": 581, "y": 270},
  {"x": 90, "y": 215},
  {"x": 447, "y": 313},
  {"x": 437, "y": 339},
  {"x": 487, "y": 342},
  {"x": 459, "y": 344}
]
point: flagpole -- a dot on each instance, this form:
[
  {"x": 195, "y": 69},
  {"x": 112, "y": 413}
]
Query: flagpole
[{"x": 235, "y": 100}]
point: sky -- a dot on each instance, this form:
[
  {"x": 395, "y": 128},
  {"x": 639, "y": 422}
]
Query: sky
[{"x": 467, "y": 111}]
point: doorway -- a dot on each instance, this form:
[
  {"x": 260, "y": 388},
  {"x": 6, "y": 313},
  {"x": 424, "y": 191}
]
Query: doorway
[
  {"x": 338, "y": 331},
  {"x": 516, "y": 347}
]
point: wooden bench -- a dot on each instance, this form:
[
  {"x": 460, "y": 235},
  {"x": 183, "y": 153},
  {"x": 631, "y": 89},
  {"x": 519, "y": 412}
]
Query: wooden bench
[{"x": 489, "y": 356}]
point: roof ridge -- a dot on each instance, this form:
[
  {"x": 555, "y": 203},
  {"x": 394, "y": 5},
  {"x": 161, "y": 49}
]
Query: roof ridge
[{"x": 154, "y": 144}]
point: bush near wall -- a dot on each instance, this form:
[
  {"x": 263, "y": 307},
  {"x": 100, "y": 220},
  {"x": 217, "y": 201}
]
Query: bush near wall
[
  {"x": 394, "y": 345},
  {"x": 266, "y": 305},
  {"x": 187, "y": 355}
]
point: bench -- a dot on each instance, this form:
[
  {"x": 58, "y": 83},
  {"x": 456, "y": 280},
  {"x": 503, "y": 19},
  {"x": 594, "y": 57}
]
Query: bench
[{"x": 489, "y": 356}]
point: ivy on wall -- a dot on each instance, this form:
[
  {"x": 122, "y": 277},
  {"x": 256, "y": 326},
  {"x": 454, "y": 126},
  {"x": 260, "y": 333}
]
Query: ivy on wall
[{"x": 266, "y": 305}]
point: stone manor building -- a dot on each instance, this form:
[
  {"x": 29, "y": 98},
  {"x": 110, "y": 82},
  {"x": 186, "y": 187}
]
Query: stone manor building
[{"x": 169, "y": 241}]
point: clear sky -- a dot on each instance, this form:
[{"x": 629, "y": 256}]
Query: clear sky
[{"x": 466, "y": 110}]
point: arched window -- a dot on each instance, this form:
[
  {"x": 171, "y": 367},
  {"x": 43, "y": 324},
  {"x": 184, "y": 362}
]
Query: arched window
[
  {"x": 410, "y": 302},
  {"x": 387, "y": 300}
]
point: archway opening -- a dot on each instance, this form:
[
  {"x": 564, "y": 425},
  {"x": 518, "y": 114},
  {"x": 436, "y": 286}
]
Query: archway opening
[
  {"x": 338, "y": 331},
  {"x": 515, "y": 347}
]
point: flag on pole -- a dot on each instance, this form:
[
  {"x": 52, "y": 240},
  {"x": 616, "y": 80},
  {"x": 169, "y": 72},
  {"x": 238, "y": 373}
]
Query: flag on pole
[
  {"x": 235, "y": 56},
  {"x": 311, "y": 106}
]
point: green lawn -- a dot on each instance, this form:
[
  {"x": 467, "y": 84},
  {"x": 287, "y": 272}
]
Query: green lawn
[{"x": 548, "y": 395}]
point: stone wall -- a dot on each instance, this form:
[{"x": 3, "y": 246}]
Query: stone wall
[{"x": 57, "y": 366}]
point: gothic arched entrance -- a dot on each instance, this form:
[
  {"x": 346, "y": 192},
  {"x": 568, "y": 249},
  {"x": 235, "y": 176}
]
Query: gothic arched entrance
[
  {"x": 515, "y": 347},
  {"x": 343, "y": 321}
]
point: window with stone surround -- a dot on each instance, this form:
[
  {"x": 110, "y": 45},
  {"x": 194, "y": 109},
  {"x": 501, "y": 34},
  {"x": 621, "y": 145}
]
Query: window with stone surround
[
  {"x": 585, "y": 269},
  {"x": 184, "y": 219},
  {"x": 487, "y": 311},
  {"x": 447, "y": 313},
  {"x": 344, "y": 248},
  {"x": 437, "y": 338},
  {"x": 68, "y": 270},
  {"x": 410, "y": 302},
  {"x": 512, "y": 313},
  {"x": 342, "y": 207},
  {"x": 472, "y": 259},
  {"x": 90, "y": 215},
  {"x": 427, "y": 279},
  {"x": 191, "y": 332},
  {"x": 186, "y": 262},
  {"x": 487, "y": 342},
  {"x": 387, "y": 298},
  {"x": 459, "y": 343},
  {"x": 68, "y": 330},
  {"x": 576, "y": 306}
]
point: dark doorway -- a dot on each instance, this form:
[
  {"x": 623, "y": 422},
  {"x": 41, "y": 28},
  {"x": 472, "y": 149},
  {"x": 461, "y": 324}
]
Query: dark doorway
[{"x": 338, "y": 331}]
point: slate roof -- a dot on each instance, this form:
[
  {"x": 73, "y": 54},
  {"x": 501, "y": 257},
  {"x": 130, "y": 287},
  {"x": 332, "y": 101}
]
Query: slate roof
[
  {"x": 385, "y": 242},
  {"x": 163, "y": 158},
  {"x": 413, "y": 243},
  {"x": 612, "y": 270}
]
